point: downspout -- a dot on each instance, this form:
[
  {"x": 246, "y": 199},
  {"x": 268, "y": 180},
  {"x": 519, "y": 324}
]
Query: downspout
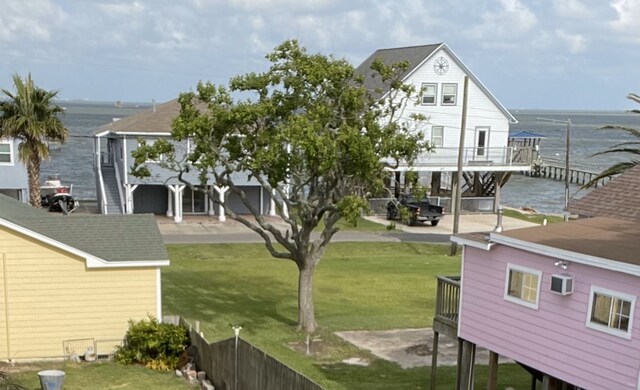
[{"x": 6, "y": 303}]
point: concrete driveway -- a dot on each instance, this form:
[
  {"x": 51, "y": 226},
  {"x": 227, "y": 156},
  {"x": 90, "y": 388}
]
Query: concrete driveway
[{"x": 206, "y": 229}]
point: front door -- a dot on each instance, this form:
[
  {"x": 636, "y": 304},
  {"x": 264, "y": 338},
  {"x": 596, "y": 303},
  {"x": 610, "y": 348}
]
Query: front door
[
  {"x": 193, "y": 201},
  {"x": 482, "y": 139}
]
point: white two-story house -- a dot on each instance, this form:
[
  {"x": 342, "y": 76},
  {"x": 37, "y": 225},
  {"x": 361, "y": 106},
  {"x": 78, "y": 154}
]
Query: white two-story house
[{"x": 438, "y": 77}]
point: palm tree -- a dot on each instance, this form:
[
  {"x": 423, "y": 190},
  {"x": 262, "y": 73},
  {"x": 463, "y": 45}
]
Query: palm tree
[
  {"x": 631, "y": 147},
  {"x": 30, "y": 115}
]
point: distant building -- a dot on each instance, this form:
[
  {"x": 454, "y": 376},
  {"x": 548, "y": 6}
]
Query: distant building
[
  {"x": 119, "y": 192},
  {"x": 14, "y": 180},
  {"x": 438, "y": 76}
]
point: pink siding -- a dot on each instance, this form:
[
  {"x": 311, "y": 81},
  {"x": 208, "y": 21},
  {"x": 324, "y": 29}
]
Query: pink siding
[{"x": 553, "y": 339}]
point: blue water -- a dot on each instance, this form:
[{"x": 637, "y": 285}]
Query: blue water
[{"x": 74, "y": 161}]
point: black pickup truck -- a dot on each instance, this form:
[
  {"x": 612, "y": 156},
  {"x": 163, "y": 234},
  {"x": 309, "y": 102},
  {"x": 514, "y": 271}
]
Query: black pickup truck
[{"x": 418, "y": 210}]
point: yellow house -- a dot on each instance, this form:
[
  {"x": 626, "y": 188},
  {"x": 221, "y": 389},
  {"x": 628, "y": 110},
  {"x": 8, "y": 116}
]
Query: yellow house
[{"x": 69, "y": 282}]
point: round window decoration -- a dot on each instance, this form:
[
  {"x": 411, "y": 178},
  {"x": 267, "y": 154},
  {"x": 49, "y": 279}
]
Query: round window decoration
[{"x": 441, "y": 66}]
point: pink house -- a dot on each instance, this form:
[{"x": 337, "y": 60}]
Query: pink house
[{"x": 558, "y": 299}]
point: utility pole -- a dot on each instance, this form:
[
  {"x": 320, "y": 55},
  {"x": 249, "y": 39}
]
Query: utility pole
[
  {"x": 567, "y": 166},
  {"x": 566, "y": 174},
  {"x": 457, "y": 186}
]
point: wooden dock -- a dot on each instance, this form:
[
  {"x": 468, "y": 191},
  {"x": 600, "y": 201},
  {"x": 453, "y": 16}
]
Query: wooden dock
[{"x": 556, "y": 170}]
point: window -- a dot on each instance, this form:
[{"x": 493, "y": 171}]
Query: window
[
  {"x": 437, "y": 135},
  {"x": 610, "y": 311},
  {"x": 449, "y": 92},
  {"x": 6, "y": 153},
  {"x": 429, "y": 92},
  {"x": 522, "y": 285}
]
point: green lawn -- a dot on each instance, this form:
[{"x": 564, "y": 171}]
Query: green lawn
[
  {"x": 102, "y": 376},
  {"x": 357, "y": 286}
]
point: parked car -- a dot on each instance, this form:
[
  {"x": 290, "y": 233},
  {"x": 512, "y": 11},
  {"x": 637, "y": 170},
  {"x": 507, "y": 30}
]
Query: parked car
[{"x": 418, "y": 210}]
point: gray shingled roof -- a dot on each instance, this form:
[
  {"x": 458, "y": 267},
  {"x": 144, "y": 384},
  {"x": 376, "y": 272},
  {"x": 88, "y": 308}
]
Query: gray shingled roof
[
  {"x": 415, "y": 55},
  {"x": 619, "y": 198},
  {"x": 147, "y": 121},
  {"x": 113, "y": 238}
]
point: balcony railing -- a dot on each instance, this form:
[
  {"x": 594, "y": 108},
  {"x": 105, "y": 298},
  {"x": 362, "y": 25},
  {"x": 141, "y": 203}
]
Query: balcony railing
[
  {"x": 509, "y": 156},
  {"x": 448, "y": 300}
]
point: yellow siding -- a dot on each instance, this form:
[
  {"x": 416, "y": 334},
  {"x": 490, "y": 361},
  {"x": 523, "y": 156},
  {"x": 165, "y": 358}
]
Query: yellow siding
[{"x": 53, "y": 297}]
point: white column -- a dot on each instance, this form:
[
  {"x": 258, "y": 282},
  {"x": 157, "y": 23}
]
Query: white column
[
  {"x": 169, "y": 202},
  {"x": 210, "y": 201},
  {"x": 177, "y": 201},
  {"x": 221, "y": 191},
  {"x": 272, "y": 204},
  {"x": 128, "y": 196}
]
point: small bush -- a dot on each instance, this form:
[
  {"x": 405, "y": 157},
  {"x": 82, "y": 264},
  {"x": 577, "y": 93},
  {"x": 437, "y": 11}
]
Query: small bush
[{"x": 155, "y": 345}]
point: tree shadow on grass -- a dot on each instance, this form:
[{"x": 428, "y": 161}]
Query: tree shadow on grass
[{"x": 254, "y": 303}]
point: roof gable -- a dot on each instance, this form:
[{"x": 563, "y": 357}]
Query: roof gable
[
  {"x": 126, "y": 240},
  {"x": 416, "y": 56},
  {"x": 619, "y": 198}
]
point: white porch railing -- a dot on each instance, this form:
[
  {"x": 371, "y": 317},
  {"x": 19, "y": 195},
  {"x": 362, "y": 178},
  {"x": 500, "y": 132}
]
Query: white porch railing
[{"x": 508, "y": 156}]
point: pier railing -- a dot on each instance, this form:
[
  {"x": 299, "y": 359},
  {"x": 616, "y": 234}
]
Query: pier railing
[
  {"x": 556, "y": 169},
  {"x": 518, "y": 158}
]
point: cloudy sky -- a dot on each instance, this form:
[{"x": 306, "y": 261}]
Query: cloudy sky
[{"x": 558, "y": 54}]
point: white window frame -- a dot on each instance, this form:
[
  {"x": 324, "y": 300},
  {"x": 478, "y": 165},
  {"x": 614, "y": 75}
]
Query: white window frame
[
  {"x": 520, "y": 301},
  {"x": 433, "y": 137},
  {"x": 614, "y": 294},
  {"x": 423, "y": 94},
  {"x": 11, "y": 157},
  {"x": 455, "y": 94}
]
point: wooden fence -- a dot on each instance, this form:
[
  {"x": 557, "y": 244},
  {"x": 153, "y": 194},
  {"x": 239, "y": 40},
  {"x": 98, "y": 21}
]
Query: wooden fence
[{"x": 242, "y": 367}]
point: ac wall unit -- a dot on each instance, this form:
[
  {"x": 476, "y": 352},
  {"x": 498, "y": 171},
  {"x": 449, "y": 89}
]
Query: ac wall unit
[{"x": 562, "y": 284}]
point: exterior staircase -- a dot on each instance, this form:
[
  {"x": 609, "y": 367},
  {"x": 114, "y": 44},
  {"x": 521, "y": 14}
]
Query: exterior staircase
[{"x": 111, "y": 190}]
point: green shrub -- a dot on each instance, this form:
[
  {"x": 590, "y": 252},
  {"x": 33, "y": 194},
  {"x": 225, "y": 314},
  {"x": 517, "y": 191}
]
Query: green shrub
[{"x": 155, "y": 345}]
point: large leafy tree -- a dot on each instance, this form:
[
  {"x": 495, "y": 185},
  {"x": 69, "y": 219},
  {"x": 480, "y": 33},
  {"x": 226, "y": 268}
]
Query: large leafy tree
[
  {"x": 631, "y": 148},
  {"x": 30, "y": 115},
  {"x": 310, "y": 134}
]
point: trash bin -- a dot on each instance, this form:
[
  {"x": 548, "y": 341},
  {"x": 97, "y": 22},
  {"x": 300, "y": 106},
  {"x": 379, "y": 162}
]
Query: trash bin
[{"x": 51, "y": 379}]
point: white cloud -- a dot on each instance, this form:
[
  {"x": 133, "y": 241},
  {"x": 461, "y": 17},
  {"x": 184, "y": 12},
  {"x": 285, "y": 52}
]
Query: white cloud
[
  {"x": 575, "y": 42},
  {"x": 572, "y": 9},
  {"x": 121, "y": 9},
  {"x": 30, "y": 20},
  {"x": 628, "y": 18},
  {"x": 511, "y": 20}
]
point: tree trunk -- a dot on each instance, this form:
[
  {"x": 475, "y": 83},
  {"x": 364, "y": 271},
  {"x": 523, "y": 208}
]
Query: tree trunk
[
  {"x": 33, "y": 170},
  {"x": 306, "y": 311}
]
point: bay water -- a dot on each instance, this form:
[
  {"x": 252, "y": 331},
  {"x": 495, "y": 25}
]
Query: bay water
[{"x": 73, "y": 161}]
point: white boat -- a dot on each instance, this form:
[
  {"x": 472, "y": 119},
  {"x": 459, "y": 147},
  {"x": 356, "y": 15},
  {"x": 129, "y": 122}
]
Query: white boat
[
  {"x": 53, "y": 185},
  {"x": 57, "y": 197}
]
